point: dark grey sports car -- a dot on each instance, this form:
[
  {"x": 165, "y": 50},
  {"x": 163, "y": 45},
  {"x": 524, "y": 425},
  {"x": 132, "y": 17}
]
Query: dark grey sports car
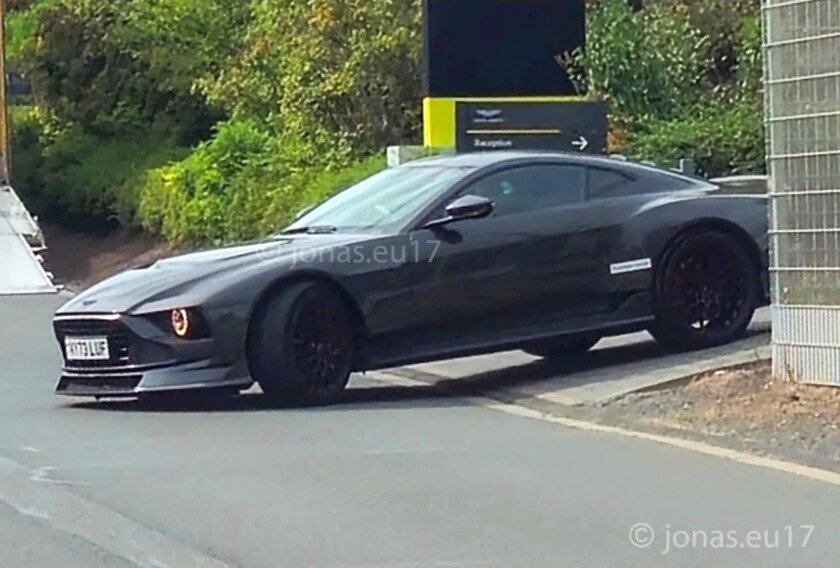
[{"x": 436, "y": 259}]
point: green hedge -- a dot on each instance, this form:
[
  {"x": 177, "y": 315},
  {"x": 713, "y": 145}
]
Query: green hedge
[
  {"x": 722, "y": 141},
  {"x": 63, "y": 172},
  {"x": 238, "y": 186}
]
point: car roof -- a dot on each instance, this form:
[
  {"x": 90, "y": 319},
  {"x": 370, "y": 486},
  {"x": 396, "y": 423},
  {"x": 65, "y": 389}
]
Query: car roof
[{"x": 480, "y": 160}]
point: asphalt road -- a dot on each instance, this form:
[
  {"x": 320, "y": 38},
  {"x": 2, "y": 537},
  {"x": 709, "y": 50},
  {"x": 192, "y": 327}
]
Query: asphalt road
[{"x": 402, "y": 477}]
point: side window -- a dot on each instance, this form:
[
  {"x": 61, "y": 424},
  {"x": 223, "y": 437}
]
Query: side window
[
  {"x": 531, "y": 188},
  {"x": 604, "y": 184}
]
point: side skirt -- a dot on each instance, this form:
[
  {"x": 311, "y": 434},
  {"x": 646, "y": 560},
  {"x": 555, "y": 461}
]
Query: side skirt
[{"x": 484, "y": 345}]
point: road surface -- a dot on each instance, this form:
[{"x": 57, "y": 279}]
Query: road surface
[{"x": 395, "y": 477}]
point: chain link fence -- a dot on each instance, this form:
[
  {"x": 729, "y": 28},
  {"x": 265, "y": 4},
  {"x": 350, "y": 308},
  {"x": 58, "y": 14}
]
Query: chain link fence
[{"x": 802, "y": 92}]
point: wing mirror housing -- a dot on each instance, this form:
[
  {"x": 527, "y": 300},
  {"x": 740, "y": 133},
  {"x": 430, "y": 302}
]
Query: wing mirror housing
[{"x": 465, "y": 207}]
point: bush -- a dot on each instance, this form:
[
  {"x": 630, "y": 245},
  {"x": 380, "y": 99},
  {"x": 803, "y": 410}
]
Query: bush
[
  {"x": 647, "y": 64},
  {"x": 283, "y": 99},
  {"x": 64, "y": 172},
  {"x": 237, "y": 186},
  {"x": 340, "y": 78},
  {"x": 118, "y": 65},
  {"x": 721, "y": 140},
  {"x": 683, "y": 80}
]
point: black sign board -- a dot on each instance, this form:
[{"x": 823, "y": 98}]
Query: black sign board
[
  {"x": 563, "y": 126},
  {"x": 499, "y": 48}
]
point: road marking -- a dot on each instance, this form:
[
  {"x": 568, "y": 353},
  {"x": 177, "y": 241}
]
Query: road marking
[
  {"x": 809, "y": 472},
  {"x": 78, "y": 516},
  {"x": 42, "y": 475}
]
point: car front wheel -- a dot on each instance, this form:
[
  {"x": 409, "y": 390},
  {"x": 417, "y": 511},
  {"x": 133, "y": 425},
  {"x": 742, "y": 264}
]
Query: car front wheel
[{"x": 302, "y": 345}]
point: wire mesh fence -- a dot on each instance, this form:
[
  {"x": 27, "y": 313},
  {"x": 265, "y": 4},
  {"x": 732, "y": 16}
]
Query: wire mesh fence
[{"x": 802, "y": 95}]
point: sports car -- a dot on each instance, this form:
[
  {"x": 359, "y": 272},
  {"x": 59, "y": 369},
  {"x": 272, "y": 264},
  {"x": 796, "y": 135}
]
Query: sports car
[{"x": 439, "y": 258}]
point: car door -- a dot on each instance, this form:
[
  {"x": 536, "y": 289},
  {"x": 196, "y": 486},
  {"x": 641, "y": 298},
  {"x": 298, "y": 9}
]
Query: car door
[{"x": 493, "y": 278}]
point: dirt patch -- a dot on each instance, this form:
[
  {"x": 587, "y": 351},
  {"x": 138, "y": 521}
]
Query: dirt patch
[
  {"x": 746, "y": 409},
  {"x": 80, "y": 259}
]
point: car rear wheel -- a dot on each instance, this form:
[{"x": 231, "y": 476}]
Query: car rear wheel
[
  {"x": 706, "y": 292},
  {"x": 302, "y": 345},
  {"x": 570, "y": 347}
]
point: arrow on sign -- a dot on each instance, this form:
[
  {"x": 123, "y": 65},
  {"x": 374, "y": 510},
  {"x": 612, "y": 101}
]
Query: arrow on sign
[{"x": 581, "y": 144}]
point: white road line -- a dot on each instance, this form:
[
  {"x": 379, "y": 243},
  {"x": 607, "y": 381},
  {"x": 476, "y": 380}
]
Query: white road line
[
  {"x": 42, "y": 475},
  {"x": 812, "y": 473}
]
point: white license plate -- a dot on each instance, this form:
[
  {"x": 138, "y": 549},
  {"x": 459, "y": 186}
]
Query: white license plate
[{"x": 87, "y": 348}]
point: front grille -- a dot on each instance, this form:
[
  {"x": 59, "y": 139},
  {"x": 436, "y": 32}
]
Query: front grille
[
  {"x": 99, "y": 386},
  {"x": 119, "y": 341}
]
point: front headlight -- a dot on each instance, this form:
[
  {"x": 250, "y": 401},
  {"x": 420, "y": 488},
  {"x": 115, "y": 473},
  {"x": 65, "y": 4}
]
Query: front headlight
[
  {"x": 180, "y": 319},
  {"x": 184, "y": 323}
]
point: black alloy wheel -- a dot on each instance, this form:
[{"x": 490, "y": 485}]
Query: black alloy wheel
[
  {"x": 323, "y": 345},
  {"x": 706, "y": 292},
  {"x": 302, "y": 345}
]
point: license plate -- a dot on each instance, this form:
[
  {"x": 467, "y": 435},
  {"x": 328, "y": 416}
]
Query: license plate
[{"x": 87, "y": 348}]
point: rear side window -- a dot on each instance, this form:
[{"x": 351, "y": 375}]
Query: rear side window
[{"x": 604, "y": 184}]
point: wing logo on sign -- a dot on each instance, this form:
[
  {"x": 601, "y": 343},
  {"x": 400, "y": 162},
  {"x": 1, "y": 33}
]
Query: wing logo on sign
[{"x": 488, "y": 116}]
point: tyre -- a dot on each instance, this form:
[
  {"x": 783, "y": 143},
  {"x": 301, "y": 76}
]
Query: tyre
[
  {"x": 570, "y": 347},
  {"x": 302, "y": 345},
  {"x": 705, "y": 292}
]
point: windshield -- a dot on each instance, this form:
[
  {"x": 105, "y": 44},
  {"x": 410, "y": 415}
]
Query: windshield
[{"x": 384, "y": 202}]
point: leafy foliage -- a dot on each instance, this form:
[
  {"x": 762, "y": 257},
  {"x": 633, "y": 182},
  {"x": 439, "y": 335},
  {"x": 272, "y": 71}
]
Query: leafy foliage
[
  {"x": 721, "y": 140},
  {"x": 647, "y": 63},
  {"x": 683, "y": 80},
  {"x": 215, "y": 120},
  {"x": 237, "y": 187},
  {"x": 67, "y": 173},
  {"x": 317, "y": 86},
  {"x": 340, "y": 76},
  {"x": 124, "y": 64}
]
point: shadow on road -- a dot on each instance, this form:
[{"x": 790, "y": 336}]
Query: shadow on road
[
  {"x": 385, "y": 396},
  {"x": 541, "y": 370},
  {"x": 605, "y": 365},
  {"x": 440, "y": 391}
]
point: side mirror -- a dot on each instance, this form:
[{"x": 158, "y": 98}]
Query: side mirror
[{"x": 465, "y": 207}]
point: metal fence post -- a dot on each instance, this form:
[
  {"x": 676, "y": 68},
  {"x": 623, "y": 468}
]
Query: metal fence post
[{"x": 802, "y": 94}]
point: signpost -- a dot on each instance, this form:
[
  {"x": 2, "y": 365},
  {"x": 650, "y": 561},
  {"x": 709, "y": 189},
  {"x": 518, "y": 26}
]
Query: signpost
[
  {"x": 494, "y": 81},
  {"x": 572, "y": 126}
]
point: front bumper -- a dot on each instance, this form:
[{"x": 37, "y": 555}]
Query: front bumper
[
  {"x": 144, "y": 359},
  {"x": 128, "y": 383}
]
